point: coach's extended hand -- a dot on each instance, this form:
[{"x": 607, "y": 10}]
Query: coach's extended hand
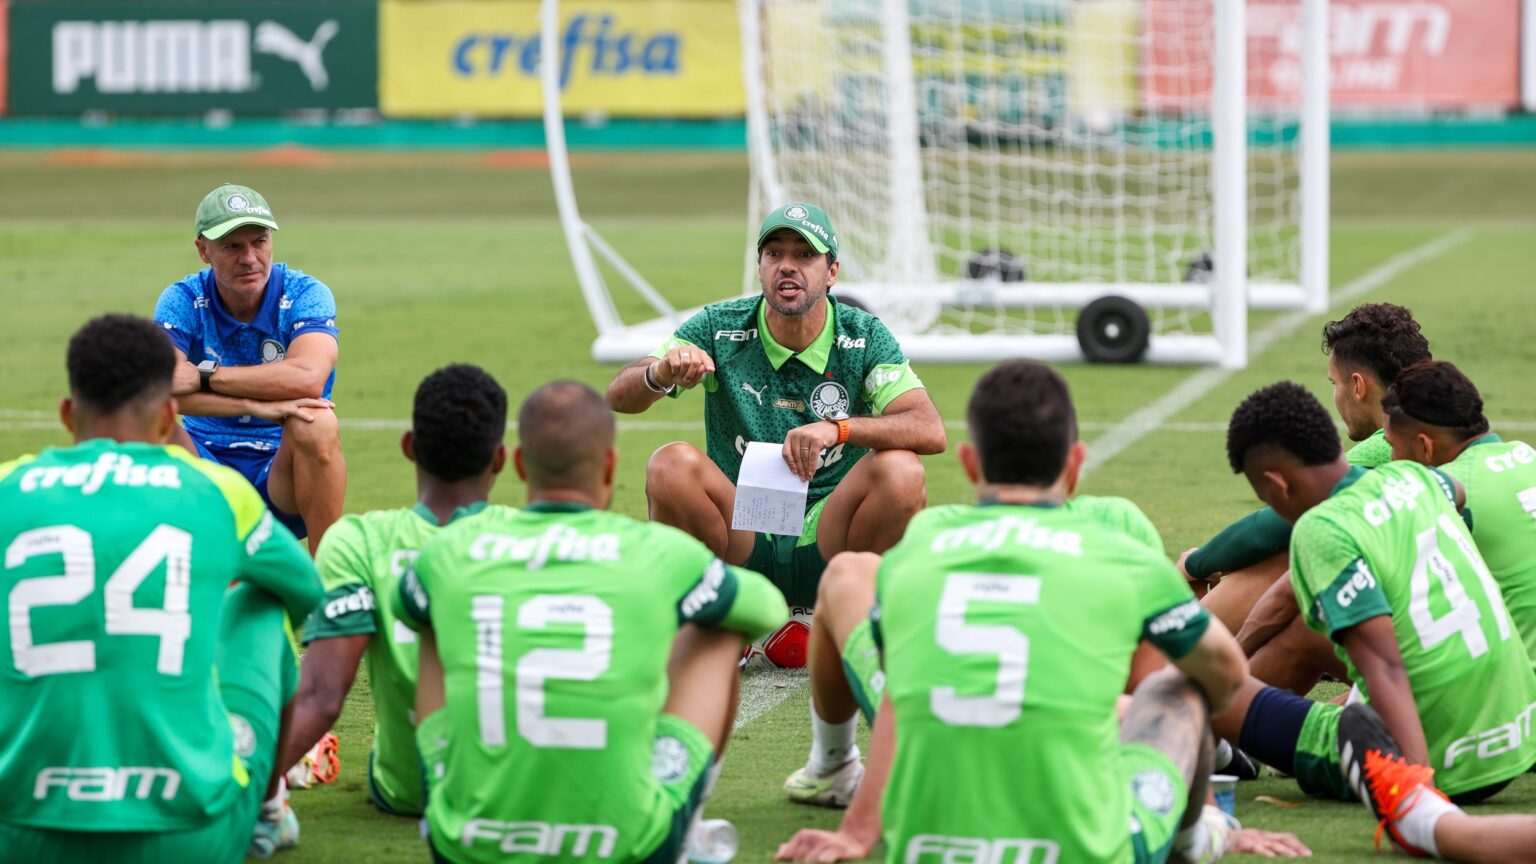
[{"x": 683, "y": 366}]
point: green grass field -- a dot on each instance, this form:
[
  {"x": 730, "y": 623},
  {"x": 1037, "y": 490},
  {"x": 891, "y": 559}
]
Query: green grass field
[{"x": 455, "y": 257}]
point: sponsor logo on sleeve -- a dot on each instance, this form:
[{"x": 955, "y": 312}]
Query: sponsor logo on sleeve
[
  {"x": 1175, "y": 619},
  {"x": 1349, "y": 591}
]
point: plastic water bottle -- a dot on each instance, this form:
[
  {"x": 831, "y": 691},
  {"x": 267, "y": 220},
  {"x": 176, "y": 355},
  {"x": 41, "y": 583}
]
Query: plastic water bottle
[{"x": 713, "y": 841}]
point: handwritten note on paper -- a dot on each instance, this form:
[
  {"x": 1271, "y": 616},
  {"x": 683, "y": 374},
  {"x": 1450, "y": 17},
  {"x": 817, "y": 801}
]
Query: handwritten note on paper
[{"x": 769, "y": 497}]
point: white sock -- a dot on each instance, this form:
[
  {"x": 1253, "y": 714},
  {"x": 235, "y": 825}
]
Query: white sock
[
  {"x": 711, "y": 777},
  {"x": 832, "y": 744},
  {"x": 1417, "y": 826},
  {"x": 272, "y": 808},
  {"x": 1223, "y": 755}
]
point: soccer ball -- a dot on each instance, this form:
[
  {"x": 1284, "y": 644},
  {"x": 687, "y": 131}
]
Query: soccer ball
[{"x": 784, "y": 648}]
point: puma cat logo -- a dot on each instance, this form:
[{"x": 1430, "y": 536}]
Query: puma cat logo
[
  {"x": 277, "y": 40},
  {"x": 758, "y": 393}
]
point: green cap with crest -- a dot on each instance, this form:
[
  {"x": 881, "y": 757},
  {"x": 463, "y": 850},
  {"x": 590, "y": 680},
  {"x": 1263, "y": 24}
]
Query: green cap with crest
[
  {"x": 808, "y": 220},
  {"x": 230, "y": 206}
]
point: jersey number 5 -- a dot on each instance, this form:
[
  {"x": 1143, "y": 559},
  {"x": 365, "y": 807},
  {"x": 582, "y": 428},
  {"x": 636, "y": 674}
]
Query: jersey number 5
[
  {"x": 1003, "y": 704},
  {"x": 540, "y": 665},
  {"x": 172, "y": 622}
]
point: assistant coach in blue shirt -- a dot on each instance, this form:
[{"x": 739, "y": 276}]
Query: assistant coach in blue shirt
[{"x": 257, "y": 348}]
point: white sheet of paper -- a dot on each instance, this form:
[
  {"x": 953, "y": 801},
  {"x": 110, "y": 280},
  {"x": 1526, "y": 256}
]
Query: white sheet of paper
[{"x": 769, "y": 497}]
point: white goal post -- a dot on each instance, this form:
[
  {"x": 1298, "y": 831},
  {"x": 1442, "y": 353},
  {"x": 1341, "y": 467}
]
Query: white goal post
[{"x": 993, "y": 166}]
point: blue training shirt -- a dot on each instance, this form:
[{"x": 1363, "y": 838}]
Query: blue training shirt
[{"x": 193, "y": 316}]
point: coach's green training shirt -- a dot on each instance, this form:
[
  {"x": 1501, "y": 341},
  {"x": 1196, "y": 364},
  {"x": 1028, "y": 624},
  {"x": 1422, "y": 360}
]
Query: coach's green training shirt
[
  {"x": 554, "y": 624},
  {"x": 760, "y": 390},
  {"x": 361, "y": 561},
  {"x": 1390, "y": 542},
  {"x": 1500, "y": 479},
  {"x": 117, "y": 557},
  {"x": 1007, "y": 633}
]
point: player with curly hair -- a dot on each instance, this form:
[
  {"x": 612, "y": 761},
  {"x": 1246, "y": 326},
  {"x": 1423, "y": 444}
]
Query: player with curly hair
[
  {"x": 455, "y": 444},
  {"x": 1435, "y": 417},
  {"x": 1384, "y": 567},
  {"x": 1366, "y": 349}
]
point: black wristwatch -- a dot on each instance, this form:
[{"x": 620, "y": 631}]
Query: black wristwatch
[{"x": 205, "y": 371}]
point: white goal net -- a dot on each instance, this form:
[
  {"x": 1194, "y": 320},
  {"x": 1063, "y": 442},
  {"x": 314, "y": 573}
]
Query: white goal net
[
  {"x": 992, "y": 166},
  {"x": 996, "y": 169}
]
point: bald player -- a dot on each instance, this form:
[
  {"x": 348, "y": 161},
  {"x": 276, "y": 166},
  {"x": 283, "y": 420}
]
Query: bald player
[{"x": 577, "y": 667}]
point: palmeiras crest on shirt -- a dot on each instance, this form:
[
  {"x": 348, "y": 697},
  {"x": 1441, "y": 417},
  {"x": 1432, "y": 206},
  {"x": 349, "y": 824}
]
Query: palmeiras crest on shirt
[
  {"x": 271, "y": 351},
  {"x": 829, "y": 400}
]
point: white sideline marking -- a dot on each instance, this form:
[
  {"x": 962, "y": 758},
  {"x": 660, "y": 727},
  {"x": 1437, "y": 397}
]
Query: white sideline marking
[
  {"x": 18, "y": 418},
  {"x": 763, "y": 689},
  {"x": 1197, "y": 386}
]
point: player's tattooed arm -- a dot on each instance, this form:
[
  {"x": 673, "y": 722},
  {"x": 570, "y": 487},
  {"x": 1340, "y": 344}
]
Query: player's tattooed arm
[
  {"x": 1168, "y": 712},
  {"x": 1372, "y": 648}
]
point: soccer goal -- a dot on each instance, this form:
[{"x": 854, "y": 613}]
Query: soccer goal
[{"x": 1058, "y": 179}]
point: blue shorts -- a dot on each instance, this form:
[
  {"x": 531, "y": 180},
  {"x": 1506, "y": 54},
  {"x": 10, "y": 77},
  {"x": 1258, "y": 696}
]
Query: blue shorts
[{"x": 255, "y": 466}]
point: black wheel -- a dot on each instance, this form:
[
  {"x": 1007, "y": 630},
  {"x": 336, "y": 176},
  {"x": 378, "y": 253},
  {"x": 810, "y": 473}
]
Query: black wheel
[
  {"x": 1113, "y": 330},
  {"x": 999, "y": 264},
  {"x": 1200, "y": 268}
]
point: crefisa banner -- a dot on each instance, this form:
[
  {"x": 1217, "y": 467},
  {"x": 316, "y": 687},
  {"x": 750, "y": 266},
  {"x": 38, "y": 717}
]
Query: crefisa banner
[
  {"x": 264, "y": 56},
  {"x": 626, "y": 58},
  {"x": 1409, "y": 55}
]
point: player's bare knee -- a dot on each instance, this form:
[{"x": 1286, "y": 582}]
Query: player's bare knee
[
  {"x": 319, "y": 438},
  {"x": 900, "y": 479},
  {"x": 672, "y": 461},
  {"x": 848, "y": 578}
]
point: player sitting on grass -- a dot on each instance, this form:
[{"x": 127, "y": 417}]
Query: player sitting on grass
[
  {"x": 797, "y": 367},
  {"x": 846, "y": 679},
  {"x": 455, "y": 443},
  {"x": 1366, "y": 350},
  {"x": 256, "y": 351},
  {"x": 1382, "y": 564},
  {"x": 1006, "y": 632},
  {"x": 143, "y": 694},
  {"x": 1435, "y": 417},
  {"x": 578, "y": 668}
]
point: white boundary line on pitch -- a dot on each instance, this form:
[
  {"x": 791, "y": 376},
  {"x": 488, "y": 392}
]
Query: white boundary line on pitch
[
  {"x": 1198, "y": 386},
  {"x": 16, "y": 419}
]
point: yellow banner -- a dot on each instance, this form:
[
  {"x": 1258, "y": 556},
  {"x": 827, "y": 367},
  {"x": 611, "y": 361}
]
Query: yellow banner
[{"x": 675, "y": 58}]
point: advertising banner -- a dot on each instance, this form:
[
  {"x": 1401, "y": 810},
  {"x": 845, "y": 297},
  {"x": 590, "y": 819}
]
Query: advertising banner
[
  {"x": 1404, "y": 55},
  {"x": 263, "y": 56},
  {"x": 635, "y": 58}
]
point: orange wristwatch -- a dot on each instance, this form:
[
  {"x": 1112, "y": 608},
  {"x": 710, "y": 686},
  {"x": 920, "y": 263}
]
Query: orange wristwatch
[{"x": 842, "y": 428}]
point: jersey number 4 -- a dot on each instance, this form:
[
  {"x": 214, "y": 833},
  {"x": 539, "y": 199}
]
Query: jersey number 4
[
  {"x": 1004, "y": 704},
  {"x": 540, "y": 665},
  {"x": 1463, "y": 617},
  {"x": 172, "y": 622}
]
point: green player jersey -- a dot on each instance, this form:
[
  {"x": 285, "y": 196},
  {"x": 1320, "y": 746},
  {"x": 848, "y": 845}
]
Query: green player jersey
[
  {"x": 554, "y": 624},
  {"x": 361, "y": 562},
  {"x": 760, "y": 390},
  {"x": 1390, "y": 542},
  {"x": 1500, "y": 479},
  {"x": 117, "y": 557},
  {"x": 1372, "y": 452},
  {"x": 1007, "y": 634},
  {"x": 1120, "y": 514}
]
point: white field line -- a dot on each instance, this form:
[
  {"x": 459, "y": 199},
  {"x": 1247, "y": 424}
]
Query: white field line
[
  {"x": 16, "y": 419},
  {"x": 1194, "y": 388},
  {"x": 763, "y": 689}
]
